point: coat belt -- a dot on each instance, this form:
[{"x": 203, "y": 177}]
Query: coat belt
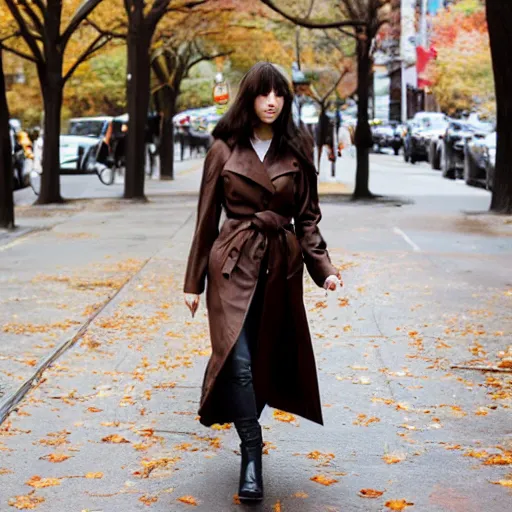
[{"x": 266, "y": 224}]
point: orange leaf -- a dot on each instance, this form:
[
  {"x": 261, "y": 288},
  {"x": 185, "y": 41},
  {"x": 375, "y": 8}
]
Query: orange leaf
[
  {"x": 147, "y": 500},
  {"x": 94, "y": 409},
  {"x": 321, "y": 479},
  {"x": 28, "y": 502},
  {"x": 94, "y": 475},
  {"x": 392, "y": 459},
  {"x": 300, "y": 494},
  {"x": 189, "y": 500},
  {"x": 38, "y": 482},
  {"x": 398, "y": 504},
  {"x": 115, "y": 438},
  {"x": 277, "y": 506},
  {"x": 285, "y": 417},
  {"x": 236, "y": 500},
  {"x": 370, "y": 493},
  {"x": 56, "y": 457}
]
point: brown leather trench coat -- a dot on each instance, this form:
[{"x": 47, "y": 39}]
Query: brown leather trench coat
[{"x": 272, "y": 214}]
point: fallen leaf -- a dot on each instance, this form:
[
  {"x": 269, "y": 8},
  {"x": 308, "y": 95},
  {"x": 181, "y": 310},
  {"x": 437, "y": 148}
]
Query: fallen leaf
[
  {"x": 277, "y": 506},
  {"x": 370, "y": 493},
  {"x": 27, "y": 502},
  {"x": 56, "y": 457},
  {"x": 285, "y": 417},
  {"x": 115, "y": 438},
  {"x": 224, "y": 426},
  {"x": 94, "y": 475},
  {"x": 398, "y": 504},
  {"x": 505, "y": 483},
  {"x": 499, "y": 460},
  {"x": 37, "y": 482},
  {"x": 236, "y": 500},
  {"x": 94, "y": 409},
  {"x": 321, "y": 479},
  {"x": 189, "y": 500},
  {"x": 147, "y": 500},
  {"x": 301, "y": 494},
  {"x": 391, "y": 458}
]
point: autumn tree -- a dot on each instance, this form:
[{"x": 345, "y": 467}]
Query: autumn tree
[
  {"x": 461, "y": 74},
  {"x": 46, "y": 29},
  {"x": 361, "y": 20},
  {"x": 6, "y": 176},
  {"x": 499, "y": 19}
]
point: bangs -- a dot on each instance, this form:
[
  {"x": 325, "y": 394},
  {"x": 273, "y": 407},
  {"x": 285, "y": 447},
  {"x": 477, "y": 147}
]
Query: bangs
[{"x": 264, "y": 78}]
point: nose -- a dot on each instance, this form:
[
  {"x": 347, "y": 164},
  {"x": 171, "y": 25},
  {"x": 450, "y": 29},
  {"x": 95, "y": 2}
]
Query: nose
[{"x": 271, "y": 99}]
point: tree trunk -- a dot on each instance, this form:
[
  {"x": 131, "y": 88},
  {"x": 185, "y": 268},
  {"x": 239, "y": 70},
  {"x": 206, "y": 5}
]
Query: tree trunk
[
  {"x": 499, "y": 17},
  {"x": 6, "y": 176},
  {"x": 138, "y": 90},
  {"x": 52, "y": 88},
  {"x": 168, "y": 109},
  {"x": 363, "y": 135}
]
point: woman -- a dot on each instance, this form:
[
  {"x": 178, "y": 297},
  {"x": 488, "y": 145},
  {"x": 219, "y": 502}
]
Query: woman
[{"x": 260, "y": 171}]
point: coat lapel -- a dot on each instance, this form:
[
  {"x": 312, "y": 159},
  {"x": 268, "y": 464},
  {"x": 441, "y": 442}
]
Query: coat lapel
[{"x": 245, "y": 161}]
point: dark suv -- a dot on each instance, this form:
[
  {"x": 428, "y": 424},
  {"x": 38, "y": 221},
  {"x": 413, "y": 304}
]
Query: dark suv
[{"x": 420, "y": 130}]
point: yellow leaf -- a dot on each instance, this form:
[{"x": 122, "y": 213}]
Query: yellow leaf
[
  {"x": 505, "y": 483},
  {"x": 224, "y": 426},
  {"x": 370, "y": 493},
  {"x": 391, "y": 458},
  {"x": 277, "y": 506},
  {"x": 189, "y": 500},
  {"x": 94, "y": 475},
  {"x": 37, "y": 482},
  {"x": 398, "y": 504},
  {"x": 300, "y": 494},
  {"x": 321, "y": 479},
  {"x": 94, "y": 409}
]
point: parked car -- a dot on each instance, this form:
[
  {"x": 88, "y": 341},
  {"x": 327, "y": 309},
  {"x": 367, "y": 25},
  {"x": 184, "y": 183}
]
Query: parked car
[
  {"x": 420, "y": 130},
  {"x": 387, "y": 135},
  {"x": 479, "y": 159},
  {"x": 454, "y": 142}
]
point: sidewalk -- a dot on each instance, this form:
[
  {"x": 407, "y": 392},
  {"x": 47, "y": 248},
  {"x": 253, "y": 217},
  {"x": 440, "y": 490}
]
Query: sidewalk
[{"x": 112, "y": 425}]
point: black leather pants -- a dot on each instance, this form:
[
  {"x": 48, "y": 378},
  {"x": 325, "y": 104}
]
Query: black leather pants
[
  {"x": 239, "y": 371},
  {"x": 243, "y": 399}
]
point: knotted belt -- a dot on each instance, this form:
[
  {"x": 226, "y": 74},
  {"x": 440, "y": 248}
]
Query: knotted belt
[{"x": 257, "y": 230}]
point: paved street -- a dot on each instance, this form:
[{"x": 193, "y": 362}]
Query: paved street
[{"x": 112, "y": 424}]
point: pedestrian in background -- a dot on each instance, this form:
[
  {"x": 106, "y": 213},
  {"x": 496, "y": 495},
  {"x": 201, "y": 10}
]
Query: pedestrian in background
[{"x": 260, "y": 170}]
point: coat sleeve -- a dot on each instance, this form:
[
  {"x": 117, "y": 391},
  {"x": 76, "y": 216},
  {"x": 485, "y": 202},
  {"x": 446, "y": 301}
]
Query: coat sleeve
[
  {"x": 308, "y": 215},
  {"x": 208, "y": 215}
]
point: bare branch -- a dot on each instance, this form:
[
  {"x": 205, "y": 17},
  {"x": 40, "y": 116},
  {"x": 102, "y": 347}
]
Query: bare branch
[
  {"x": 310, "y": 24},
  {"x": 95, "y": 45},
  {"x": 25, "y": 31},
  {"x": 33, "y": 16},
  {"x": 19, "y": 53},
  {"x": 80, "y": 15}
]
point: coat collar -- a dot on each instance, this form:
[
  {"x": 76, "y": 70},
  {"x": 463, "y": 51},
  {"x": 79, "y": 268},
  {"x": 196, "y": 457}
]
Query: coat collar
[{"x": 244, "y": 161}]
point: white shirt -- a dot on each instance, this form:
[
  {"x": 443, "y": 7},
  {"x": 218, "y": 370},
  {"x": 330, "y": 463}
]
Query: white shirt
[{"x": 260, "y": 146}]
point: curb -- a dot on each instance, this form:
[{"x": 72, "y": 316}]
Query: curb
[{"x": 11, "y": 238}]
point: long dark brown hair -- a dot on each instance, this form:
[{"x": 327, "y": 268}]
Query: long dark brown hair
[{"x": 236, "y": 127}]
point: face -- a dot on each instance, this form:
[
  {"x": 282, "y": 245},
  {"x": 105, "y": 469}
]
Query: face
[{"x": 268, "y": 107}]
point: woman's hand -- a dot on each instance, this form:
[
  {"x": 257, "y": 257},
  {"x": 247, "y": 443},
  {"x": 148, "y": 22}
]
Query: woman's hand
[
  {"x": 332, "y": 282},
  {"x": 192, "y": 302}
]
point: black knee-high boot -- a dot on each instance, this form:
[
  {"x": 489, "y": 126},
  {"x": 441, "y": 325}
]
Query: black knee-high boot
[{"x": 251, "y": 471}]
